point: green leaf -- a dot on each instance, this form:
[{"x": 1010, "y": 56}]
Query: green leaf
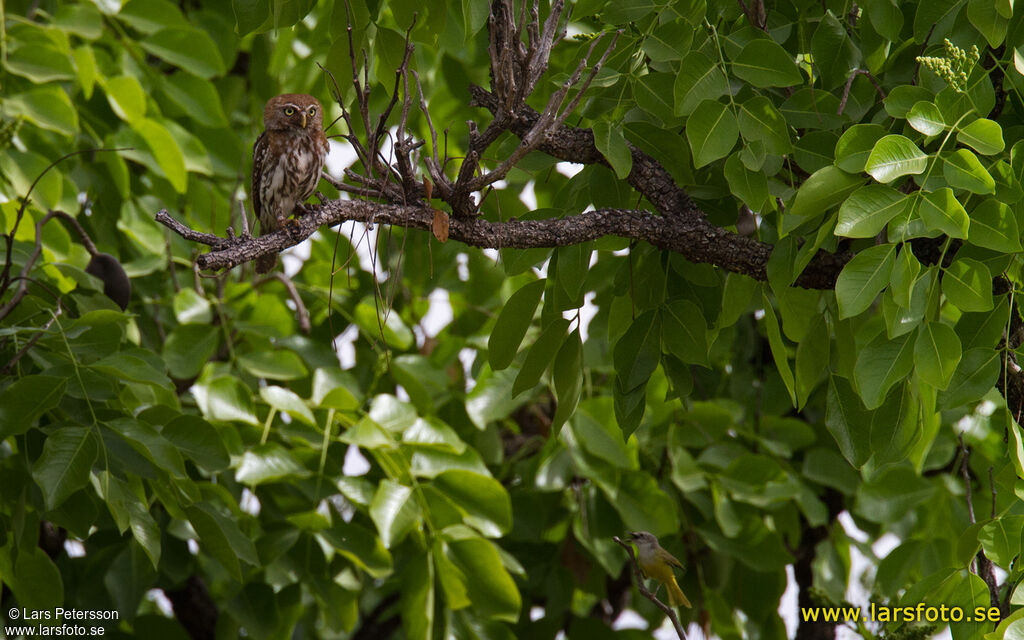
[
  {"x": 361, "y": 547},
  {"x": 869, "y": 209},
  {"x": 835, "y": 55},
  {"x": 150, "y": 16},
  {"x": 962, "y": 170},
  {"x": 936, "y": 354},
  {"x": 188, "y": 48},
  {"x": 749, "y": 186},
  {"x": 894, "y": 156},
  {"x": 863, "y": 278},
  {"x": 855, "y": 146},
  {"x": 975, "y": 376},
  {"x": 47, "y": 107},
  {"x": 941, "y": 211},
  {"x": 983, "y": 135},
  {"x": 826, "y": 188},
  {"x": 287, "y": 401},
  {"x": 195, "y": 96},
  {"x": 513, "y": 321},
  {"x": 994, "y": 226},
  {"x": 638, "y": 351},
  {"x": 198, "y": 440},
  {"x": 27, "y": 399},
  {"x": 276, "y": 365},
  {"x": 191, "y": 308},
  {"x": 925, "y": 117},
  {"x": 225, "y": 398},
  {"x": 904, "y": 276},
  {"x": 485, "y": 504},
  {"x": 40, "y": 63},
  {"x": 150, "y": 444},
  {"x": 567, "y": 375},
  {"x": 760, "y": 120},
  {"x": 764, "y": 63},
  {"x": 268, "y": 462},
  {"x": 1001, "y": 539},
  {"x": 64, "y": 466},
  {"x": 540, "y": 355},
  {"x": 394, "y": 512},
  {"x": 778, "y": 348},
  {"x": 684, "y": 332},
  {"x": 220, "y": 537},
  {"x": 613, "y": 146},
  {"x": 991, "y": 23},
  {"x": 812, "y": 360},
  {"x": 967, "y": 283},
  {"x": 711, "y": 131},
  {"x": 165, "y": 150},
  {"x": 385, "y": 324},
  {"x": 699, "y": 78},
  {"x": 36, "y": 582},
  {"x": 490, "y": 587},
  {"x": 188, "y": 348},
  {"x": 880, "y": 365},
  {"x": 126, "y": 98}
]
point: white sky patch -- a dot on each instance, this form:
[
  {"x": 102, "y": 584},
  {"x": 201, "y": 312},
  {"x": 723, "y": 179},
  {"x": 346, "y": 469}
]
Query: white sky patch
[
  {"x": 294, "y": 257},
  {"x": 528, "y": 196},
  {"x": 789, "y": 603},
  {"x": 884, "y": 545},
  {"x": 193, "y": 546},
  {"x": 365, "y": 242},
  {"x": 401, "y": 393},
  {"x": 249, "y": 503},
  {"x": 629, "y": 619},
  {"x": 440, "y": 313},
  {"x": 340, "y": 156},
  {"x": 462, "y": 266},
  {"x": 498, "y": 185},
  {"x": 162, "y": 602},
  {"x": 74, "y": 548},
  {"x": 345, "y": 347},
  {"x": 355, "y": 462},
  {"x": 536, "y": 613},
  {"x": 301, "y": 49},
  {"x": 492, "y": 254},
  {"x": 467, "y": 357},
  {"x": 587, "y": 313},
  {"x": 542, "y": 269},
  {"x": 568, "y": 169}
]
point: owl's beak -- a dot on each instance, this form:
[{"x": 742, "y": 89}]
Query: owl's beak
[{"x": 303, "y": 119}]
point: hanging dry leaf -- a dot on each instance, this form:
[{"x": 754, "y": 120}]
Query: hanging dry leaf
[{"x": 440, "y": 225}]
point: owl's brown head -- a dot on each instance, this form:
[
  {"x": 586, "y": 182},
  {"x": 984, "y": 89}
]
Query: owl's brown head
[{"x": 293, "y": 112}]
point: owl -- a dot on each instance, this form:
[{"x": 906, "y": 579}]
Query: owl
[{"x": 286, "y": 162}]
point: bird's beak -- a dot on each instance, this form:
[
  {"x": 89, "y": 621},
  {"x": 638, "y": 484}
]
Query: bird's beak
[
  {"x": 303, "y": 119},
  {"x": 632, "y": 535}
]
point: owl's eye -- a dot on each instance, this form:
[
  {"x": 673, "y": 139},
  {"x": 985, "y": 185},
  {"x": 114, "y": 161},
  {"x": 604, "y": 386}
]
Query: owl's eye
[
  {"x": 312, "y": 111},
  {"x": 288, "y": 111}
]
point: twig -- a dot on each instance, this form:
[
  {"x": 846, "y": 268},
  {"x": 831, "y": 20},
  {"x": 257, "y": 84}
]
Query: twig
[
  {"x": 645, "y": 592},
  {"x": 985, "y": 569},
  {"x": 5, "y": 275},
  {"x": 301, "y": 314}
]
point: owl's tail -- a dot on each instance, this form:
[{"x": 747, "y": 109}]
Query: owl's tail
[{"x": 264, "y": 264}]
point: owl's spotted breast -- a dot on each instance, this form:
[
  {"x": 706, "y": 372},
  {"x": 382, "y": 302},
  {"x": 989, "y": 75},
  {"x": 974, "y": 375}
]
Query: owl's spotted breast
[{"x": 287, "y": 160}]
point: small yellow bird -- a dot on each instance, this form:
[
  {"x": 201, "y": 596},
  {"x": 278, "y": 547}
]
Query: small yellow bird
[{"x": 657, "y": 563}]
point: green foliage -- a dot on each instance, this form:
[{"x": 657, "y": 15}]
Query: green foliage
[{"x": 619, "y": 388}]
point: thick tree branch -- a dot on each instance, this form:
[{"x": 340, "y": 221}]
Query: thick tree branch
[{"x": 695, "y": 238}]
